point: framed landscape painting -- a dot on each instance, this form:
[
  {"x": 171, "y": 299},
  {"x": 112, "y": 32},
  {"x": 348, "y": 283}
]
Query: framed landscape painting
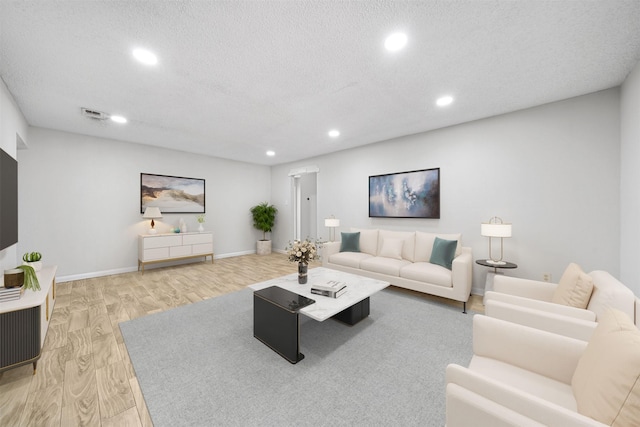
[
  {"x": 172, "y": 194},
  {"x": 414, "y": 194}
]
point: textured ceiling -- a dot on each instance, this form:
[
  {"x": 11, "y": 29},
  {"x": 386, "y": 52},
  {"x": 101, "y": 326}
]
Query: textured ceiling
[{"x": 237, "y": 78}]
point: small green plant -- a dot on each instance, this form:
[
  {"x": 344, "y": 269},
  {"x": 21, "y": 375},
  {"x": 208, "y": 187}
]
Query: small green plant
[
  {"x": 264, "y": 216},
  {"x": 32, "y": 256},
  {"x": 30, "y": 277},
  {"x": 200, "y": 218}
]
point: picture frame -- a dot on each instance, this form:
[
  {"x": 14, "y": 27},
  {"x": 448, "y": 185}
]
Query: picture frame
[
  {"x": 412, "y": 194},
  {"x": 172, "y": 194}
]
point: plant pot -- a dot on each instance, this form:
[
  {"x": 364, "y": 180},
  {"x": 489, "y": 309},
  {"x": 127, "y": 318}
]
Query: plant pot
[
  {"x": 263, "y": 247},
  {"x": 36, "y": 265},
  {"x": 13, "y": 278}
]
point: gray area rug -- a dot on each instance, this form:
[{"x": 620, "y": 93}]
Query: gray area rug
[{"x": 199, "y": 365}]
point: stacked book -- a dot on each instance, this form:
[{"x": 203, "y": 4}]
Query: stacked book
[
  {"x": 331, "y": 288},
  {"x": 10, "y": 294}
]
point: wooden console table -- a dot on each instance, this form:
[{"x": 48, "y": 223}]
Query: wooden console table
[
  {"x": 24, "y": 323},
  {"x": 154, "y": 248}
]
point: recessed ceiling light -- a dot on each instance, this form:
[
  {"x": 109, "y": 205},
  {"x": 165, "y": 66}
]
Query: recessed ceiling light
[
  {"x": 395, "y": 41},
  {"x": 444, "y": 101},
  {"x": 271, "y": 153},
  {"x": 119, "y": 119},
  {"x": 145, "y": 56},
  {"x": 334, "y": 133}
]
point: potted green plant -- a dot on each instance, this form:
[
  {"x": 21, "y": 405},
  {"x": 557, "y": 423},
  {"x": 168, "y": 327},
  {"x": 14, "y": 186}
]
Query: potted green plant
[
  {"x": 30, "y": 278},
  {"x": 264, "y": 217},
  {"x": 32, "y": 259}
]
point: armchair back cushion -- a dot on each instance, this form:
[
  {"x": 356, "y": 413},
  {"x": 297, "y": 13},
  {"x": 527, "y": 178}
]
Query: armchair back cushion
[
  {"x": 574, "y": 289},
  {"x": 606, "y": 382}
]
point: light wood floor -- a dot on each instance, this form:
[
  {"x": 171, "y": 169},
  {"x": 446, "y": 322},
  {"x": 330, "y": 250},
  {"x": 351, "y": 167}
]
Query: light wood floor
[{"x": 84, "y": 375}]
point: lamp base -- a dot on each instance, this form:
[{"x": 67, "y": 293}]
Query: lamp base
[
  {"x": 490, "y": 261},
  {"x": 153, "y": 231}
]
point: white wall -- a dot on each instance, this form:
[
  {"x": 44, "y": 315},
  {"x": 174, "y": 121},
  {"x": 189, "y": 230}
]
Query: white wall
[
  {"x": 630, "y": 181},
  {"x": 552, "y": 171},
  {"x": 80, "y": 200},
  {"x": 12, "y": 127}
]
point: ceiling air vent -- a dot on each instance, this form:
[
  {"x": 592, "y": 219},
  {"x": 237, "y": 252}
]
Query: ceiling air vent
[{"x": 93, "y": 114}]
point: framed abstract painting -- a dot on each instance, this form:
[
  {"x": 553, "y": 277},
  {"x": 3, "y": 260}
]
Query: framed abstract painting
[
  {"x": 172, "y": 194},
  {"x": 414, "y": 194}
]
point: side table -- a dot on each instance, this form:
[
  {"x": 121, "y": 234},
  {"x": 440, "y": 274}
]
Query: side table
[{"x": 488, "y": 286}]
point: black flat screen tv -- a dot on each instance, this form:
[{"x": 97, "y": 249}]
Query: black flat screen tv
[{"x": 8, "y": 200}]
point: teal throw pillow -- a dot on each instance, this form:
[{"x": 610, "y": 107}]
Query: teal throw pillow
[
  {"x": 443, "y": 252},
  {"x": 350, "y": 242}
]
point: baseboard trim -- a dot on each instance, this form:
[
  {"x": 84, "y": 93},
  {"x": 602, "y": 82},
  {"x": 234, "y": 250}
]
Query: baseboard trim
[{"x": 93, "y": 274}]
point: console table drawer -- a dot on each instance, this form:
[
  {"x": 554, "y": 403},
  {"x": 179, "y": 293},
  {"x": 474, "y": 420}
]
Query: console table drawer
[
  {"x": 194, "y": 239},
  {"x": 178, "y": 251},
  {"x": 205, "y": 248},
  {"x": 161, "y": 241},
  {"x": 158, "y": 253}
]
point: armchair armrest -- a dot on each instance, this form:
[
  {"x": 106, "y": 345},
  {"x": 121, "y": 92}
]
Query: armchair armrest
[
  {"x": 328, "y": 249},
  {"x": 546, "y": 321},
  {"x": 476, "y": 399},
  {"x": 545, "y": 353},
  {"x": 526, "y": 288},
  {"x": 549, "y": 307}
]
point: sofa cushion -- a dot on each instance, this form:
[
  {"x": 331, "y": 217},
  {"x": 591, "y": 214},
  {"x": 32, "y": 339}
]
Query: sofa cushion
[
  {"x": 388, "y": 266},
  {"x": 427, "y": 272},
  {"x": 409, "y": 238},
  {"x": 391, "y": 248},
  {"x": 574, "y": 288},
  {"x": 348, "y": 259},
  {"x": 368, "y": 240},
  {"x": 443, "y": 252},
  {"x": 606, "y": 382},
  {"x": 349, "y": 242},
  {"x": 424, "y": 244}
]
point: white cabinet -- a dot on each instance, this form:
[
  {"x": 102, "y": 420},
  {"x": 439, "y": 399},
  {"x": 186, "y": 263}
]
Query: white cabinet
[{"x": 167, "y": 247}]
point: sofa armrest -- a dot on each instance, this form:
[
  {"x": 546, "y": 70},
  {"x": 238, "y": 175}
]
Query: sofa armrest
[
  {"x": 545, "y": 353},
  {"x": 527, "y": 288},
  {"x": 549, "y": 307},
  {"x": 462, "y": 272},
  {"x": 507, "y": 405},
  {"x": 328, "y": 249},
  {"x": 546, "y": 321}
]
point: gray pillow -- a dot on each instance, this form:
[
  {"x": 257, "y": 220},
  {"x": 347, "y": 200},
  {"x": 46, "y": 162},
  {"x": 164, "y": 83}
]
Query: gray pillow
[
  {"x": 350, "y": 242},
  {"x": 443, "y": 252}
]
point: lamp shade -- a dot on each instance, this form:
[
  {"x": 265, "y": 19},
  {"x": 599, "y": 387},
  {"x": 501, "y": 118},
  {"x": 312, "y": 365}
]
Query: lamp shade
[
  {"x": 152, "y": 212},
  {"x": 332, "y": 222},
  {"x": 495, "y": 230}
]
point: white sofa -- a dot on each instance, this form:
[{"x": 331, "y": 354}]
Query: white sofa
[
  {"x": 402, "y": 258},
  {"x": 529, "y": 302},
  {"x": 521, "y": 376}
]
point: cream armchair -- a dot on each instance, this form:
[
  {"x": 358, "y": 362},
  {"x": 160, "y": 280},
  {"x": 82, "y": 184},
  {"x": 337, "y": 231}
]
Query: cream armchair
[
  {"x": 521, "y": 376},
  {"x": 529, "y": 302}
]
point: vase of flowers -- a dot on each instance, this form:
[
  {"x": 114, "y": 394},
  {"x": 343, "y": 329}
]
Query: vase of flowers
[
  {"x": 302, "y": 252},
  {"x": 201, "y": 220}
]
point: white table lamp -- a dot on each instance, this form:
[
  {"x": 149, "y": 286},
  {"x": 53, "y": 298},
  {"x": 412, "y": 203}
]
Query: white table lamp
[
  {"x": 495, "y": 228},
  {"x": 152, "y": 213},
  {"x": 332, "y": 223}
]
